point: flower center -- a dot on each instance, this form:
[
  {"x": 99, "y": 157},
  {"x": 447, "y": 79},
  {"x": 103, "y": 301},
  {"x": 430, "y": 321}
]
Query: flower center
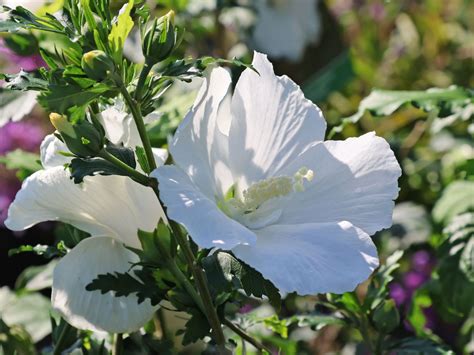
[{"x": 258, "y": 206}]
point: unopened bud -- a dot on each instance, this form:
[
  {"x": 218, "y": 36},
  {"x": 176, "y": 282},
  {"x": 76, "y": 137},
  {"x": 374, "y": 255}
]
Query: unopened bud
[
  {"x": 82, "y": 138},
  {"x": 160, "y": 39},
  {"x": 97, "y": 65},
  {"x": 62, "y": 125}
]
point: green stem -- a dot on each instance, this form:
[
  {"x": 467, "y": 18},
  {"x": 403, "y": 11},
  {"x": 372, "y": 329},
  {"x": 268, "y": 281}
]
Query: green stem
[
  {"x": 118, "y": 345},
  {"x": 198, "y": 274},
  {"x": 141, "y": 80},
  {"x": 205, "y": 300},
  {"x": 139, "y": 177},
  {"x": 240, "y": 332},
  {"x": 62, "y": 338},
  {"x": 165, "y": 332},
  {"x": 201, "y": 284},
  {"x": 364, "y": 331},
  {"x": 137, "y": 116}
]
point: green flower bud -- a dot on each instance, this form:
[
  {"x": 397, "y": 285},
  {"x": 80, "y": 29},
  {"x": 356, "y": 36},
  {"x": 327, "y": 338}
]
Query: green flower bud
[
  {"x": 159, "y": 39},
  {"x": 97, "y": 65},
  {"x": 82, "y": 138}
]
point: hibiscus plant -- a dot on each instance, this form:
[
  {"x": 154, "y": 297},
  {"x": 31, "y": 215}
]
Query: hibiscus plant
[{"x": 247, "y": 204}]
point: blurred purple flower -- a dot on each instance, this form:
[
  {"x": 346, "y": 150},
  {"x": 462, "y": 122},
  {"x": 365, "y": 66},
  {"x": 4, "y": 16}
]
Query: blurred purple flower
[
  {"x": 245, "y": 308},
  {"x": 4, "y": 203},
  {"x": 397, "y": 293},
  {"x": 17, "y": 62},
  {"x": 413, "y": 280},
  {"x": 377, "y": 11},
  {"x": 24, "y": 135},
  {"x": 422, "y": 261}
]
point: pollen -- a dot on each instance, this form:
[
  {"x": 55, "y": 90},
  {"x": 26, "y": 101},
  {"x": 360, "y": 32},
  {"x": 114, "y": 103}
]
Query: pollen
[{"x": 265, "y": 190}]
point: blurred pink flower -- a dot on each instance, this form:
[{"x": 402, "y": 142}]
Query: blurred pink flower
[{"x": 15, "y": 62}]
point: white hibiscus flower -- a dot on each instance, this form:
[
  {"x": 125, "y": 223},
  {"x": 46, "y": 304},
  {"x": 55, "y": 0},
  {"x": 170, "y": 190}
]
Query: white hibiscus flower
[
  {"x": 111, "y": 209},
  {"x": 284, "y": 27},
  {"x": 254, "y": 176}
]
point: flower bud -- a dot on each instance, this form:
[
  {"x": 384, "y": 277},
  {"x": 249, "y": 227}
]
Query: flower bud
[
  {"x": 159, "y": 39},
  {"x": 82, "y": 138},
  {"x": 97, "y": 65}
]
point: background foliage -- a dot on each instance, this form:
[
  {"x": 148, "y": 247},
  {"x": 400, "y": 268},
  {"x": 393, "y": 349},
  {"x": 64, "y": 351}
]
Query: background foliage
[{"x": 371, "y": 70}]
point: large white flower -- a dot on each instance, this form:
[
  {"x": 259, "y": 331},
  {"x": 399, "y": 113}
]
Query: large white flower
[
  {"x": 285, "y": 27},
  {"x": 254, "y": 176},
  {"x": 111, "y": 209}
]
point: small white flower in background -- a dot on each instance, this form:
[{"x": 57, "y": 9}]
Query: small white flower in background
[
  {"x": 254, "y": 175},
  {"x": 284, "y": 28},
  {"x": 14, "y": 105},
  {"x": 111, "y": 209},
  {"x": 31, "y": 5}
]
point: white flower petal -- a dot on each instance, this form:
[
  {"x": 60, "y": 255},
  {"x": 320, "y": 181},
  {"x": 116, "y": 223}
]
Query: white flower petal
[
  {"x": 273, "y": 122},
  {"x": 354, "y": 180},
  {"x": 120, "y": 127},
  {"x": 112, "y": 206},
  {"x": 50, "y": 152},
  {"x": 91, "y": 310},
  {"x": 160, "y": 156},
  {"x": 206, "y": 224},
  {"x": 200, "y": 143},
  {"x": 312, "y": 258},
  {"x": 14, "y": 105}
]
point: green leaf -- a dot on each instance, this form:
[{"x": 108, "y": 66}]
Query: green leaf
[
  {"x": 124, "y": 284},
  {"x": 225, "y": 273},
  {"x": 386, "y": 317},
  {"x": 196, "y": 328},
  {"x": 15, "y": 340},
  {"x": 142, "y": 160},
  {"x": 385, "y": 102},
  {"x": 279, "y": 326},
  {"x": 61, "y": 98},
  {"x": 378, "y": 290},
  {"x": 420, "y": 301},
  {"x": 21, "y": 18},
  {"x": 455, "y": 266},
  {"x": 347, "y": 301},
  {"x": 451, "y": 103},
  {"x": 30, "y": 310},
  {"x": 157, "y": 246},
  {"x": 36, "y": 278},
  {"x": 457, "y": 198},
  {"x": 24, "y": 81},
  {"x": 120, "y": 30},
  {"x": 415, "y": 346},
  {"x": 81, "y": 167},
  {"x": 331, "y": 78},
  {"x": 68, "y": 335},
  {"x": 145, "y": 344},
  {"x": 46, "y": 251},
  {"x": 24, "y": 44},
  {"x": 316, "y": 321},
  {"x": 25, "y": 162},
  {"x": 254, "y": 284}
]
